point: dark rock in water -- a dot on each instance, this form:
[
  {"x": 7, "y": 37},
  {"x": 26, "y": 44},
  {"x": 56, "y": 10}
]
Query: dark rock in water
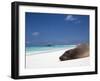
[
  {"x": 49, "y": 45},
  {"x": 80, "y": 51}
]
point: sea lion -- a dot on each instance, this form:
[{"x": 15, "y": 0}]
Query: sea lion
[{"x": 80, "y": 51}]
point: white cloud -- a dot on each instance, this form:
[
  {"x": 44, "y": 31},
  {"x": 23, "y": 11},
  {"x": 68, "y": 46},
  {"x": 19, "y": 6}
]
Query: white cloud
[
  {"x": 70, "y": 18},
  {"x": 35, "y": 33},
  {"x": 77, "y": 22}
]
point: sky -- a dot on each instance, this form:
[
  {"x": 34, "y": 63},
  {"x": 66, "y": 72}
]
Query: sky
[{"x": 58, "y": 29}]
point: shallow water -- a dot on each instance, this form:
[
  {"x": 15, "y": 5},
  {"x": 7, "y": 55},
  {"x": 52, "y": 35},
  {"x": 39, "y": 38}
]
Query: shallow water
[{"x": 41, "y": 49}]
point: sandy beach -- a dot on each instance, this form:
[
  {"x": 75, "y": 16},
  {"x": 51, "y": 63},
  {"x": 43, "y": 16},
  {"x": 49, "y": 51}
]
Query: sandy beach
[
  {"x": 51, "y": 60},
  {"x": 50, "y": 36}
]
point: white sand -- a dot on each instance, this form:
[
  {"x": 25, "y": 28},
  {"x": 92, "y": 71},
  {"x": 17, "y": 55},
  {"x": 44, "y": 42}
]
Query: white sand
[{"x": 51, "y": 60}]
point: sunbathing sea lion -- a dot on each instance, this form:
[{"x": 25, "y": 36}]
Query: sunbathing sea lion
[{"x": 80, "y": 51}]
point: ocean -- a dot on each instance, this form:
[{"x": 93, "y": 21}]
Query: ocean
[{"x": 43, "y": 49}]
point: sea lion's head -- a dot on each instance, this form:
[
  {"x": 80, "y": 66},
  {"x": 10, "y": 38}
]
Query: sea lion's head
[{"x": 68, "y": 55}]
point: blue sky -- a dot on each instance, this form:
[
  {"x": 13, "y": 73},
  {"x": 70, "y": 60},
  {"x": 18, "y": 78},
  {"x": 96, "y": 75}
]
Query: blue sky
[{"x": 45, "y": 28}]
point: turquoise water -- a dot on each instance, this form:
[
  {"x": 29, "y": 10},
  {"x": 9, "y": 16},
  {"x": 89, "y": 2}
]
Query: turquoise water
[{"x": 41, "y": 49}]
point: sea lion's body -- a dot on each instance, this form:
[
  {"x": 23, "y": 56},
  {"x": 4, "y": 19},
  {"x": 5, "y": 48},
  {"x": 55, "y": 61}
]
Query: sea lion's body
[{"x": 80, "y": 51}]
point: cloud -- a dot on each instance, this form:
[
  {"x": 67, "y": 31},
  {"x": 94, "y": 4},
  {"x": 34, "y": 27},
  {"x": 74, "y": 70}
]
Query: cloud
[
  {"x": 35, "y": 33},
  {"x": 78, "y": 21},
  {"x": 70, "y": 18},
  {"x": 73, "y": 19}
]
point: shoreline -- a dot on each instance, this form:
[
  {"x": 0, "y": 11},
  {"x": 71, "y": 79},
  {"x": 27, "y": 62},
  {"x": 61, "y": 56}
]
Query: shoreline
[{"x": 50, "y": 50}]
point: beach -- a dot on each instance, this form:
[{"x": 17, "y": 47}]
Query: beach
[
  {"x": 48, "y": 36},
  {"x": 51, "y": 60}
]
